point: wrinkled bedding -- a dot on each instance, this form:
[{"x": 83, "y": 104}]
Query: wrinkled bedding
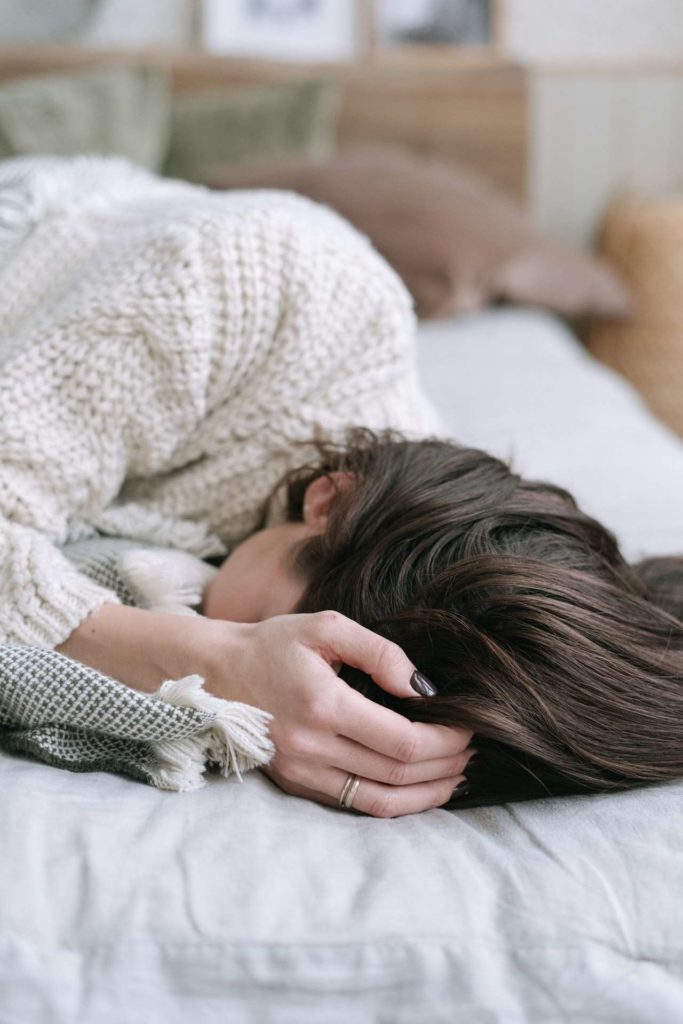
[{"x": 237, "y": 903}]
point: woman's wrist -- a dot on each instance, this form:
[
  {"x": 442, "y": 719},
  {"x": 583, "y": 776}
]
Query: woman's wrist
[{"x": 143, "y": 648}]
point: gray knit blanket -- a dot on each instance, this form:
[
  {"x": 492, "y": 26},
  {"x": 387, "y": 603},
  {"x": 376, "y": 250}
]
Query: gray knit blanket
[{"x": 64, "y": 713}]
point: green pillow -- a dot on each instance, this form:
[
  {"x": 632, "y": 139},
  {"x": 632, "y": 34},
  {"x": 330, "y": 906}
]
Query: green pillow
[
  {"x": 123, "y": 111},
  {"x": 244, "y": 125}
]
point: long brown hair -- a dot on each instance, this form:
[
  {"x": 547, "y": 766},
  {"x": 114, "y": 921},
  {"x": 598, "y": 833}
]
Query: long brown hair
[{"x": 566, "y": 662}]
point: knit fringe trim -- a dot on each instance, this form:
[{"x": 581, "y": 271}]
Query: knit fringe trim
[
  {"x": 236, "y": 739},
  {"x": 164, "y": 580}
]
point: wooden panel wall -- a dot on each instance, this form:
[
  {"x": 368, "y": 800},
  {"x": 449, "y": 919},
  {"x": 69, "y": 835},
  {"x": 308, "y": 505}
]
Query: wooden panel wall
[{"x": 472, "y": 110}]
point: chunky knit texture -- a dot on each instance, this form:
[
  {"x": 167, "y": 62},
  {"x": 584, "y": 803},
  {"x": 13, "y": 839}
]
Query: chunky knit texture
[{"x": 163, "y": 349}]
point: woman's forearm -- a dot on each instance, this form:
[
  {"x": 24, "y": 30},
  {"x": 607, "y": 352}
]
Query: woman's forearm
[{"x": 143, "y": 648}]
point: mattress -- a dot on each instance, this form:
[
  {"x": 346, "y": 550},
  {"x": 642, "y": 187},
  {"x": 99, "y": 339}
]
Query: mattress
[{"x": 238, "y": 903}]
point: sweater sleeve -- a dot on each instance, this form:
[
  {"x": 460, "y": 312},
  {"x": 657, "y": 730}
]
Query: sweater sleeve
[
  {"x": 95, "y": 386},
  {"x": 43, "y": 597}
]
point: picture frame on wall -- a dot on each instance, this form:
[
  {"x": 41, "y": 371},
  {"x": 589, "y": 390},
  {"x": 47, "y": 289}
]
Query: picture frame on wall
[
  {"x": 294, "y": 30},
  {"x": 435, "y": 26}
]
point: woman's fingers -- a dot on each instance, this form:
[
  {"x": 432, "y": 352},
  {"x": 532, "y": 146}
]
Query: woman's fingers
[
  {"x": 383, "y": 730},
  {"x": 324, "y": 730},
  {"x": 360, "y": 719},
  {"x": 339, "y": 638},
  {"x": 373, "y": 798},
  {"x": 350, "y": 756}
]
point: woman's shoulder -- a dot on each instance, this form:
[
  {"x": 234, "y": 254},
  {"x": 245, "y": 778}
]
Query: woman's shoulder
[
  {"x": 308, "y": 242},
  {"x": 110, "y": 194},
  {"x": 42, "y": 185},
  {"x": 299, "y": 222}
]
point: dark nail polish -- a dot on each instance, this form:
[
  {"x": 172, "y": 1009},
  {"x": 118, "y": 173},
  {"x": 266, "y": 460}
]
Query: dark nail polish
[
  {"x": 424, "y": 686},
  {"x": 461, "y": 789}
]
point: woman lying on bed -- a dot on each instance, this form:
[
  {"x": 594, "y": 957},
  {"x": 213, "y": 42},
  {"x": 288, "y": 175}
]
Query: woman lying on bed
[{"x": 168, "y": 354}]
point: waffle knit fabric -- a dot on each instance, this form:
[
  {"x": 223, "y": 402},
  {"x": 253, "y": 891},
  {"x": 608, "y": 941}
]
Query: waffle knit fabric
[{"x": 164, "y": 350}]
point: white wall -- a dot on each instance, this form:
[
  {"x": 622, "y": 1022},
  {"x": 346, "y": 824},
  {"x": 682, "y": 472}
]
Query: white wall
[
  {"x": 104, "y": 23},
  {"x": 133, "y": 23},
  {"x": 547, "y": 30},
  {"x": 594, "y": 133}
]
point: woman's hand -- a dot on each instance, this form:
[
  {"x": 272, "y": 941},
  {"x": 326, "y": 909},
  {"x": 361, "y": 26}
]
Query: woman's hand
[{"x": 323, "y": 730}]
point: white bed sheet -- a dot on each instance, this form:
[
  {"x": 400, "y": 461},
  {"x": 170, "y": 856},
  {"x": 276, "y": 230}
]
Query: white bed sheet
[{"x": 121, "y": 904}]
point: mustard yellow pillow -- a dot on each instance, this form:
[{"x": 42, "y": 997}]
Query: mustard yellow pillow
[{"x": 643, "y": 237}]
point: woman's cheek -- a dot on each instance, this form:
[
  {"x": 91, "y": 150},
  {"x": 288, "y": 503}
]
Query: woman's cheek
[{"x": 282, "y": 595}]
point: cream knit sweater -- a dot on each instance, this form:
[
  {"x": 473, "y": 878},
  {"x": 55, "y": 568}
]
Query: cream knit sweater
[{"x": 162, "y": 348}]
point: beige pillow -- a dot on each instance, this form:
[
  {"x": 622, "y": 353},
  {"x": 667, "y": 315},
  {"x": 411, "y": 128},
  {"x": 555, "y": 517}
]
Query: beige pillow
[
  {"x": 458, "y": 243},
  {"x": 643, "y": 237}
]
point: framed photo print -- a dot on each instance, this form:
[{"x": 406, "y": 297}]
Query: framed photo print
[
  {"x": 434, "y": 23},
  {"x": 296, "y": 30}
]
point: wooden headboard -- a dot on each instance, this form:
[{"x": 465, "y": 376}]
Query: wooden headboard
[{"x": 473, "y": 110}]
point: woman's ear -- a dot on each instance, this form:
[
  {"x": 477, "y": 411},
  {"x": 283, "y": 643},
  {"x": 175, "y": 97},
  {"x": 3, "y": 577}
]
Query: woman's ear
[{"x": 319, "y": 497}]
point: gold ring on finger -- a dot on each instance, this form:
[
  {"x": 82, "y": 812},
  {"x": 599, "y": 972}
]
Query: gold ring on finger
[{"x": 349, "y": 791}]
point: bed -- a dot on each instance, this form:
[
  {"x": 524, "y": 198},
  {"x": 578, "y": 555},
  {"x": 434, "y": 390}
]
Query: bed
[{"x": 237, "y": 903}]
